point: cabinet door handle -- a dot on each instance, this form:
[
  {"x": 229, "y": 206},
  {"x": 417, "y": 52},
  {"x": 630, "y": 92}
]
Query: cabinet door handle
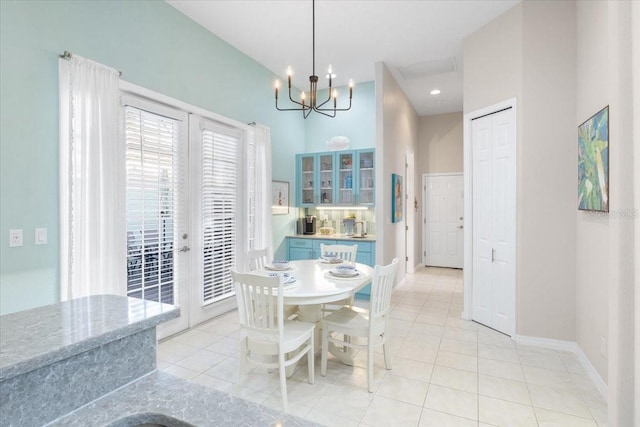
[{"x": 493, "y": 255}]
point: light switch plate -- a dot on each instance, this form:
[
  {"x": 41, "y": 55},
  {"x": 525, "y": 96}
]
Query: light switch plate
[
  {"x": 15, "y": 238},
  {"x": 40, "y": 236}
]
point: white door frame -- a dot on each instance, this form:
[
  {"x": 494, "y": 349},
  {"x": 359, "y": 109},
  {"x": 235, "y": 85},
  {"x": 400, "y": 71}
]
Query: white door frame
[
  {"x": 410, "y": 240},
  {"x": 424, "y": 209},
  {"x": 468, "y": 202}
]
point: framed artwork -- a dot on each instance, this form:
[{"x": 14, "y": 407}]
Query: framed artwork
[
  {"x": 593, "y": 163},
  {"x": 397, "y": 196},
  {"x": 279, "y": 197}
]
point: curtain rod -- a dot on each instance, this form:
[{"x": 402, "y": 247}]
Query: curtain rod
[{"x": 67, "y": 55}]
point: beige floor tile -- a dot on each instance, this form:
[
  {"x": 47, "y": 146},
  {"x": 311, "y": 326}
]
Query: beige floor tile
[
  {"x": 500, "y": 388},
  {"x": 432, "y": 319},
  {"x": 431, "y": 418},
  {"x": 506, "y": 414},
  {"x": 412, "y": 369},
  {"x": 495, "y": 352},
  {"x": 558, "y": 399},
  {"x": 541, "y": 376},
  {"x": 555, "y": 419},
  {"x": 198, "y": 338},
  {"x": 419, "y": 352},
  {"x": 455, "y": 378},
  {"x": 451, "y": 401},
  {"x": 385, "y": 412},
  {"x": 463, "y": 347},
  {"x": 488, "y": 336},
  {"x": 403, "y": 315},
  {"x": 226, "y": 370},
  {"x": 201, "y": 361},
  {"x": 546, "y": 361},
  {"x": 172, "y": 351},
  {"x": 460, "y": 334},
  {"x": 345, "y": 401},
  {"x": 498, "y": 368},
  {"x": 227, "y": 346},
  {"x": 457, "y": 361},
  {"x": 403, "y": 389}
]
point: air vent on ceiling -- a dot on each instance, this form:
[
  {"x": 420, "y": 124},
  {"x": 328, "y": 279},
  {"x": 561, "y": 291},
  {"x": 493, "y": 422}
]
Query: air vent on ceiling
[{"x": 429, "y": 68}]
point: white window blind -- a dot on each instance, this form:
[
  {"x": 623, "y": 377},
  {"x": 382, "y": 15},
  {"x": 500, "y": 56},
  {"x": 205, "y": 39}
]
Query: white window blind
[
  {"x": 152, "y": 188},
  {"x": 220, "y": 188}
]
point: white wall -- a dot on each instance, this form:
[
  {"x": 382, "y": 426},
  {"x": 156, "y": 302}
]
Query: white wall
[{"x": 396, "y": 134}]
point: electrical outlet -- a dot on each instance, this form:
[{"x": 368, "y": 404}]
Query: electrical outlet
[{"x": 15, "y": 238}]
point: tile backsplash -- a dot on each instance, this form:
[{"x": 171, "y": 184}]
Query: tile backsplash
[{"x": 335, "y": 217}]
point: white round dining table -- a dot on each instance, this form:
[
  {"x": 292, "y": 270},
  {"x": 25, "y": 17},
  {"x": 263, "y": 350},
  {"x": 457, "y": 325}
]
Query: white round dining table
[{"x": 315, "y": 285}]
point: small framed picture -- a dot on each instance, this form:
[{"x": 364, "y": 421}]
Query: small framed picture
[
  {"x": 279, "y": 198},
  {"x": 397, "y": 197}
]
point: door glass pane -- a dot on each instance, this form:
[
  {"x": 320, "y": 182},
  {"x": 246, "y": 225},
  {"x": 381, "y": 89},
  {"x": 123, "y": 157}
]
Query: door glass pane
[
  {"x": 365, "y": 179},
  {"x": 307, "y": 171},
  {"x": 152, "y": 199},
  {"x": 326, "y": 179},
  {"x": 345, "y": 163}
]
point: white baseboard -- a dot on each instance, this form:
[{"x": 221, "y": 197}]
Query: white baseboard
[
  {"x": 573, "y": 347},
  {"x": 602, "y": 387}
]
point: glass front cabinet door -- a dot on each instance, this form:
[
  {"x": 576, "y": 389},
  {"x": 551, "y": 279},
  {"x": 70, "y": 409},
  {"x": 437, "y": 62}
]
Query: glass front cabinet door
[
  {"x": 365, "y": 184},
  {"x": 306, "y": 165},
  {"x": 327, "y": 178},
  {"x": 346, "y": 178}
]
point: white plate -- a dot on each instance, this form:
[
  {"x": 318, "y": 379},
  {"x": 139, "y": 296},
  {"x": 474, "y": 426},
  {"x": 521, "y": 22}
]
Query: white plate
[
  {"x": 344, "y": 274},
  {"x": 277, "y": 268},
  {"x": 331, "y": 261}
]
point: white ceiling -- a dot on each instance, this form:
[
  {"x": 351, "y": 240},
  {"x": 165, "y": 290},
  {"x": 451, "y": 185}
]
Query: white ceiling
[{"x": 419, "y": 40}]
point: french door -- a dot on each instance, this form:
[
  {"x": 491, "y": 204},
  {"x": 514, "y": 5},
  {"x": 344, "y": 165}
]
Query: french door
[{"x": 184, "y": 227}]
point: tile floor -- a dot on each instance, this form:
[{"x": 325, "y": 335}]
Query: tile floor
[{"x": 446, "y": 371}]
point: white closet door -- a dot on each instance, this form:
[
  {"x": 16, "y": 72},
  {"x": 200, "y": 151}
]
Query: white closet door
[{"x": 493, "y": 168}]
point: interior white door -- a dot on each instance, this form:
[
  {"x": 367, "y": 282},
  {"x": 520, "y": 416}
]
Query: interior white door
[
  {"x": 493, "y": 206},
  {"x": 443, "y": 235},
  {"x": 411, "y": 214}
]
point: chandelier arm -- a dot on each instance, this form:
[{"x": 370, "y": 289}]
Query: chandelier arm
[
  {"x": 334, "y": 109},
  {"x": 323, "y": 112},
  {"x": 306, "y": 107}
]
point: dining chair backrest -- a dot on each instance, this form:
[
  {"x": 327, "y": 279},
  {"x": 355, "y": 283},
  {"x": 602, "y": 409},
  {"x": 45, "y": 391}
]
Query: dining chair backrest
[
  {"x": 257, "y": 259},
  {"x": 260, "y": 299},
  {"x": 346, "y": 252},
  {"x": 381, "y": 287}
]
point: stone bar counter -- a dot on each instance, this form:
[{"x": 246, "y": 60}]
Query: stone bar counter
[{"x": 92, "y": 362}]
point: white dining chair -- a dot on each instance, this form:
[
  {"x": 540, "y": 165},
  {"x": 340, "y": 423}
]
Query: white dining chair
[
  {"x": 346, "y": 253},
  {"x": 372, "y": 324},
  {"x": 264, "y": 330},
  {"x": 257, "y": 260}
]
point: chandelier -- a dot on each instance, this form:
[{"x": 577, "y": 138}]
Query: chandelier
[{"x": 313, "y": 105}]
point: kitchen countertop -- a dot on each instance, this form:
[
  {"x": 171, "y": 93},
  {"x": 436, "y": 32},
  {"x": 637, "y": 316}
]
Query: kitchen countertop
[
  {"x": 41, "y": 336},
  {"x": 161, "y": 398},
  {"x": 335, "y": 236}
]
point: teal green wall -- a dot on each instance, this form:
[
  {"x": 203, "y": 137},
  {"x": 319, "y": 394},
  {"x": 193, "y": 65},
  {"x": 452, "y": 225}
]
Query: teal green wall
[
  {"x": 156, "y": 47},
  {"x": 358, "y": 124}
]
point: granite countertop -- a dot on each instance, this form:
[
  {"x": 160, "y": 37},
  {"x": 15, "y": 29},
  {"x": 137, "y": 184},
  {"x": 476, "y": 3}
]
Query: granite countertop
[
  {"x": 161, "y": 398},
  {"x": 44, "y": 335},
  {"x": 335, "y": 236}
]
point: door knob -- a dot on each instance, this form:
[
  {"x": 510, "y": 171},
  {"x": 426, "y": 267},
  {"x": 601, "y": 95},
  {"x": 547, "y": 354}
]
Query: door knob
[
  {"x": 184, "y": 249},
  {"x": 461, "y": 226}
]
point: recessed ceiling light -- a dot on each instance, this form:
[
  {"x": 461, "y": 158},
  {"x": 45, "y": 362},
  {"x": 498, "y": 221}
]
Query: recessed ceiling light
[{"x": 435, "y": 92}]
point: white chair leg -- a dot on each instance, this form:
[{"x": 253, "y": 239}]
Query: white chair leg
[
  {"x": 283, "y": 382},
  {"x": 387, "y": 356},
  {"x": 370, "y": 365},
  {"x": 325, "y": 350},
  {"x": 311, "y": 355}
]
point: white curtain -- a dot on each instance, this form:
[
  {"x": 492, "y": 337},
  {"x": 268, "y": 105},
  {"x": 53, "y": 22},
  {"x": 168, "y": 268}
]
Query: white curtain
[
  {"x": 262, "y": 140},
  {"x": 92, "y": 181}
]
